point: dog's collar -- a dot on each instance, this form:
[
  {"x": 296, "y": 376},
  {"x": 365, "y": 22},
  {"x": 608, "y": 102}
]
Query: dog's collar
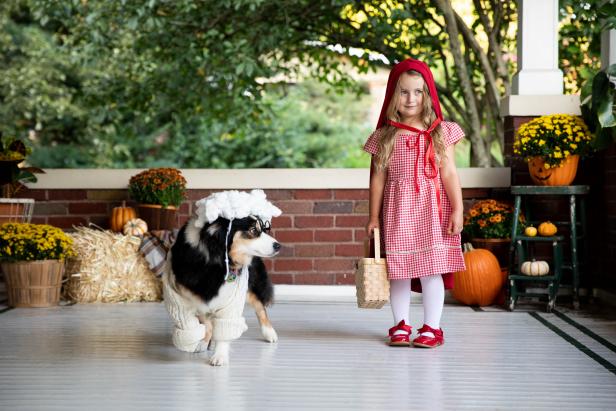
[{"x": 232, "y": 275}]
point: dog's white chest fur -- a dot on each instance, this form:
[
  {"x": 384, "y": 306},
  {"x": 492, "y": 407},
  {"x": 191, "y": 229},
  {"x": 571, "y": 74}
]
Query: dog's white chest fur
[{"x": 230, "y": 293}]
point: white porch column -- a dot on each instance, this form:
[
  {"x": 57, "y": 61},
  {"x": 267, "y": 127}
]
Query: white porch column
[
  {"x": 538, "y": 72},
  {"x": 608, "y": 48}
]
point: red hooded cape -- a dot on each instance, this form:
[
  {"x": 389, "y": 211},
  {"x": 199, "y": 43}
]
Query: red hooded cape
[
  {"x": 392, "y": 81},
  {"x": 394, "y": 75}
]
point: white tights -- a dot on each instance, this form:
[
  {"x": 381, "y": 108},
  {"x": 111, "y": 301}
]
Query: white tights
[{"x": 433, "y": 298}]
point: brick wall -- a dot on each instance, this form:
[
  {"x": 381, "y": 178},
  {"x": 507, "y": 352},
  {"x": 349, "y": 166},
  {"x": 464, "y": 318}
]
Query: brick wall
[
  {"x": 599, "y": 172},
  {"x": 603, "y": 220},
  {"x": 321, "y": 229}
]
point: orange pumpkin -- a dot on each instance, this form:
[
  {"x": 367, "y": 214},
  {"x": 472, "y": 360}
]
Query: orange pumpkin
[
  {"x": 547, "y": 229},
  {"x": 482, "y": 281},
  {"x": 120, "y": 216},
  {"x": 562, "y": 175}
]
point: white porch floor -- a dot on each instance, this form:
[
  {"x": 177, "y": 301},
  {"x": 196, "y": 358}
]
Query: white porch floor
[{"x": 330, "y": 356}]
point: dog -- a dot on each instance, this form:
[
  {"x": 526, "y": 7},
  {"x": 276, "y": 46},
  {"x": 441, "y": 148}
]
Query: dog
[{"x": 212, "y": 269}]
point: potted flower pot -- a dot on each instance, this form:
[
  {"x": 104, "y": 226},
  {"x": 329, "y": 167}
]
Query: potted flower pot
[
  {"x": 32, "y": 260},
  {"x": 159, "y": 193},
  {"x": 158, "y": 217},
  {"x": 552, "y": 146}
]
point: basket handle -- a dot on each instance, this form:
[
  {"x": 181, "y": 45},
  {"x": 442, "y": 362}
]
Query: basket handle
[{"x": 377, "y": 244}]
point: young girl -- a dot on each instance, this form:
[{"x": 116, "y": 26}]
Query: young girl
[{"x": 414, "y": 182}]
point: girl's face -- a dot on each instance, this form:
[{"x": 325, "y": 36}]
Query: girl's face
[{"x": 410, "y": 99}]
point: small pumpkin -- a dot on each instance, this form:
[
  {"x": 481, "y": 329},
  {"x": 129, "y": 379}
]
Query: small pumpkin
[
  {"x": 530, "y": 231},
  {"x": 120, "y": 215},
  {"x": 482, "y": 281},
  {"x": 547, "y": 229},
  {"x": 135, "y": 226},
  {"x": 535, "y": 268}
]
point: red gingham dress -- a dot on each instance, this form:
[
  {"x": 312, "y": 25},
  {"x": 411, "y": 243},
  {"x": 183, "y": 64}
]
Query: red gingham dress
[{"x": 416, "y": 241}]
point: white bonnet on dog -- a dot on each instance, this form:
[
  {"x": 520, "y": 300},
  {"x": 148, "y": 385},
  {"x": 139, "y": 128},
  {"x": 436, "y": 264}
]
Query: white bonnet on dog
[{"x": 235, "y": 204}]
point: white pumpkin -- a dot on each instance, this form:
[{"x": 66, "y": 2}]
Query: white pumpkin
[
  {"x": 535, "y": 268},
  {"x": 135, "y": 226}
]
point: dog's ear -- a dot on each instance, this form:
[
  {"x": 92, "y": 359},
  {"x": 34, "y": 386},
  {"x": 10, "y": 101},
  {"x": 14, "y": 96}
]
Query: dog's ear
[{"x": 217, "y": 231}]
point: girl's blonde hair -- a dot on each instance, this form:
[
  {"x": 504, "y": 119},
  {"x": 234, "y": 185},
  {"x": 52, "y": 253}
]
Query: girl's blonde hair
[{"x": 387, "y": 139}]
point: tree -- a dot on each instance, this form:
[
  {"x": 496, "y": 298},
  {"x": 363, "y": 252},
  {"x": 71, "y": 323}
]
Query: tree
[
  {"x": 471, "y": 74},
  {"x": 139, "y": 66},
  {"x": 582, "y": 23},
  {"x": 134, "y": 68}
]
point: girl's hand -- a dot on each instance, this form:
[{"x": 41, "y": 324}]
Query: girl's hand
[
  {"x": 372, "y": 224},
  {"x": 455, "y": 223}
]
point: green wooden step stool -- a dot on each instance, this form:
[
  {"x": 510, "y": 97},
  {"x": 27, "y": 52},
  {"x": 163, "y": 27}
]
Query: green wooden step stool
[{"x": 521, "y": 245}]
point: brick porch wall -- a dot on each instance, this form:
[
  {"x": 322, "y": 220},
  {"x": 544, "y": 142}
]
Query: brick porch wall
[{"x": 321, "y": 229}]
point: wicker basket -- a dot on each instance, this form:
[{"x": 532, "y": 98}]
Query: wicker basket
[
  {"x": 371, "y": 278},
  {"x": 16, "y": 210},
  {"x": 33, "y": 283}
]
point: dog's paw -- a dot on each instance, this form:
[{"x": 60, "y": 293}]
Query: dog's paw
[
  {"x": 218, "y": 359},
  {"x": 269, "y": 334}
]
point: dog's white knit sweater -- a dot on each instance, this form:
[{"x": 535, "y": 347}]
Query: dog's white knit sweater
[{"x": 225, "y": 310}]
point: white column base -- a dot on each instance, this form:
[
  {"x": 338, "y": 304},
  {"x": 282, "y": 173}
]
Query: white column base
[
  {"x": 540, "y": 105},
  {"x": 533, "y": 82}
]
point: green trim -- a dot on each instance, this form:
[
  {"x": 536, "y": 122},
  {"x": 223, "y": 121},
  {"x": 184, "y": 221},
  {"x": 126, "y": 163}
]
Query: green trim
[
  {"x": 605, "y": 363},
  {"x": 553, "y": 190},
  {"x": 585, "y": 330}
]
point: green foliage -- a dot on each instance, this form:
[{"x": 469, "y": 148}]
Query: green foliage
[
  {"x": 300, "y": 126},
  {"x": 13, "y": 151},
  {"x": 580, "y": 38},
  {"x": 131, "y": 83},
  {"x": 190, "y": 83},
  {"x": 599, "y": 107}
]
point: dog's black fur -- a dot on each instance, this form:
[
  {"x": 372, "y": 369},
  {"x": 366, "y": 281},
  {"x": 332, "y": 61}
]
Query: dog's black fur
[{"x": 204, "y": 274}]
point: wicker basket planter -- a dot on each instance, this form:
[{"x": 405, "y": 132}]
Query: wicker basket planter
[
  {"x": 16, "y": 210},
  {"x": 33, "y": 283}
]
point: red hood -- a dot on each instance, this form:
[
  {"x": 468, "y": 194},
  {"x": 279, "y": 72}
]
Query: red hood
[{"x": 396, "y": 71}]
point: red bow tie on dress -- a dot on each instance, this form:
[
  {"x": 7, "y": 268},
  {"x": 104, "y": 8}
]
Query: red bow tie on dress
[{"x": 429, "y": 159}]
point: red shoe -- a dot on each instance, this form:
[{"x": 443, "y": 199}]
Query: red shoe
[
  {"x": 429, "y": 342},
  {"x": 400, "y": 340}
]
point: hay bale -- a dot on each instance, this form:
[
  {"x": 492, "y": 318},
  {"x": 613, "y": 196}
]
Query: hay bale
[{"x": 109, "y": 269}]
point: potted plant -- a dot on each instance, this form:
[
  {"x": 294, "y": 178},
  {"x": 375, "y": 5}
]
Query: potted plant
[
  {"x": 13, "y": 177},
  {"x": 159, "y": 193},
  {"x": 32, "y": 258},
  {"x": 488, "y": 225},
  {"x": 598, "y": 107},
  {"x": 552, "y": 146}
]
